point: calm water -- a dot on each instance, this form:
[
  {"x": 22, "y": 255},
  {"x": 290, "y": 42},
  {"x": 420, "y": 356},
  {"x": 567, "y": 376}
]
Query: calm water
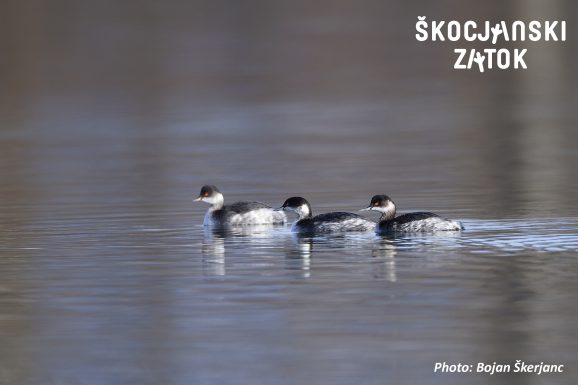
[{"x": 112, "y": 118}]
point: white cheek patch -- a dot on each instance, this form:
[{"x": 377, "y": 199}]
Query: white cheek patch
[
  {"x": 215, "y": 199},
  {"x": 303, "y": 211},
  {"x": 210, "y": 200},
  {"x": 389, "y": 209}
]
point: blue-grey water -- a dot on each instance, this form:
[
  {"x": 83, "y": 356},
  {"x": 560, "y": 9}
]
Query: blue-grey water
[{"x": 113, "y": 116}]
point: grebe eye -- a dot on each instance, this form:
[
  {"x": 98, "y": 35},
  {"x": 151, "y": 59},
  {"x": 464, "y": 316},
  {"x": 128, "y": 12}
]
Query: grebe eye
[
  {"x": 376, "y": 203},
  {"x": 206, "y": 194}
]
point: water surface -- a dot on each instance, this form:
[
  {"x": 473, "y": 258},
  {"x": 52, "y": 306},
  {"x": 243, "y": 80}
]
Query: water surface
[{"x": 112, "y": 118}]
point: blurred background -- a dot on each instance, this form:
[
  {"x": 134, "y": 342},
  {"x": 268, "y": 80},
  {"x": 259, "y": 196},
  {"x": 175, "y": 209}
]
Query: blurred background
[
  {"x": 130, "y": 98},
  {"x": 114, "y": 113}
]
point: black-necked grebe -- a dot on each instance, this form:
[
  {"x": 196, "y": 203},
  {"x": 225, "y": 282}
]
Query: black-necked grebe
[
  {"x": 239, "y": 213},
  {"x": 408, "y": 223},
  {"x": 324, "y": 223}
]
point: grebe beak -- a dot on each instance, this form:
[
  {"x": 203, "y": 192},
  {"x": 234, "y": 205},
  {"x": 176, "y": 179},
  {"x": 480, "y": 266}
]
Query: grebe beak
[
  {"x": 279, "y": 209},
  {"x": 368, "y": 208},
  {"x": 198, "y": 199}
]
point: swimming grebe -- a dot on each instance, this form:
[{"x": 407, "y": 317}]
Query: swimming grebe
[
  {"x": 409, "y": 223},
  {"x": 238, "y": 213},
  {"x": 324, "y": 223}
]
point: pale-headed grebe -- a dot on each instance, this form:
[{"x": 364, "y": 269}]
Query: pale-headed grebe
[
  {"x": 408, "y": 223},
  {"x": 324, "y": 223},
  {"x": 238, "y": 213}
]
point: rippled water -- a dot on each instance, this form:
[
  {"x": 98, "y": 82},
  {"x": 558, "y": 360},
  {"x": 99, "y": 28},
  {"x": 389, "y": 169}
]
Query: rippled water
[
  {"x": 153, "y": 297},
  {"x": 112, "y": 118}
]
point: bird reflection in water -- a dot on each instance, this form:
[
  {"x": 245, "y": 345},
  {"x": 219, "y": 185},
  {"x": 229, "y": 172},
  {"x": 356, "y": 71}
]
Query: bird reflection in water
[
  {"x": 216, "y": 240},
  {"x": 213, "y": 252},
  {"x": 257, "y": 243},
  {"x": 298, "y": 254},
  {"x": 384, "y": 250}
]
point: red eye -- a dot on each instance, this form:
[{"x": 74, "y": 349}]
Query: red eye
[
  {"x": 206, "y": 194},
  {"x": 376, "y": 204}
]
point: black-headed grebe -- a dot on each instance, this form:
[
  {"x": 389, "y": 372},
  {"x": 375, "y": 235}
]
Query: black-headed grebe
[
  {"x": 408, "y": 223},
  {"x": 324, "y": 223},
  {"x": 238, "y": 213}
]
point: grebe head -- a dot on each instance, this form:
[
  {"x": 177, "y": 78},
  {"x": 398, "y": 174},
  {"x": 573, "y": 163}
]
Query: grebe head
[
  {"x": 299, "y": 206},
  {"x": 383, "y": 204},
  {"x": 211, "y": 195}
]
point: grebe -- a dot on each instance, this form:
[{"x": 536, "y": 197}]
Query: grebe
[
  {"x": 324, "y": 223},
  {"x": 408, "y": 223},
  {"x": 238, "y": 213}
]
